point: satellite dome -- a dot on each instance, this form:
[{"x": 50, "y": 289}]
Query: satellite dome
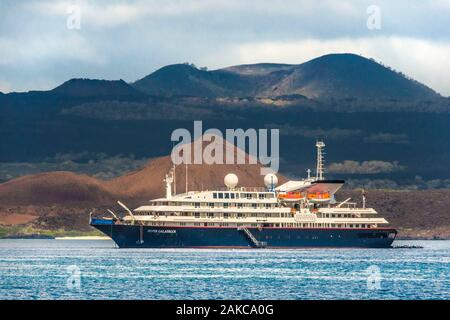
[
  {"x": 231, "y": 180},
  {"x": 270, "y": 181}
]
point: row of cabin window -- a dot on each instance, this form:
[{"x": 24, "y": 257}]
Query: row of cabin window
[
  {"x": 217, "y": 205},
  {"x": 237, "y": 205},
  {"x": 238, "y": 215},
  {"x": 337, "y": 215},
  {"x": 242, "y": 215},
  {"x": 242, "y": 195},
  {"x": 217, "y": 214},
  {"x": 287, "y": 225}
]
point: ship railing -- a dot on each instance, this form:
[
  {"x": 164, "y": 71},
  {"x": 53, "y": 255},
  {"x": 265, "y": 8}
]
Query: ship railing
[
  {"x": 189, "y": 193},
  {"x": 348, "y": 205},
  {"x": 252, "y": 189},
  {"x": 244, "y": 189},
  {"x": 256, "y": 242}
]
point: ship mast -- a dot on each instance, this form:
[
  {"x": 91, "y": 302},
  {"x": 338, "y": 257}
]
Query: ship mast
[
  {"x": 320, "y": 160},
  {"x": 364, "y": 197},
  {"x": 174, "y": 168},
  {"x": 168, "y": 180},
  {"x": 186, "y": 177},
  {"x": 174, "y": 179}
]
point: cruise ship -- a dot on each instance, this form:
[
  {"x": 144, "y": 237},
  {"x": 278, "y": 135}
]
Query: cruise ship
[{"x": 296, "y": 214}]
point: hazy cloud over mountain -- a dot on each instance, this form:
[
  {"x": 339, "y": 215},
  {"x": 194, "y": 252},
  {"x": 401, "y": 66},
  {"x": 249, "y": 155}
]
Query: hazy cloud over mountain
[
  {"x": 99, "y": 165},
  {"x": 385, "y": 137},
  {"x": 129, "y": 39},
  {"x": 364, "y": 167},
  {"x": 307, "y": 132}
]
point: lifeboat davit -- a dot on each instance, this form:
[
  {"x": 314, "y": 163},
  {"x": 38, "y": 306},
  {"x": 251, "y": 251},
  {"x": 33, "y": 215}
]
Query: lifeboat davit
[
  {"x": 319, "y": 197},
  {"x": 290, "y": 196}
]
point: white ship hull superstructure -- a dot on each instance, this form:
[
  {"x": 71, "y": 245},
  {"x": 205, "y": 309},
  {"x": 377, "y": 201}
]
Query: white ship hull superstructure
[{"x": 296, "y": 214}]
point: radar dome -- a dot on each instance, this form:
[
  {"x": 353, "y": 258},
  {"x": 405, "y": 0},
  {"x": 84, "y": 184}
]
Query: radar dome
[
  {"x": 231, "y": 180},
  {"x": 270, "y": 181}
]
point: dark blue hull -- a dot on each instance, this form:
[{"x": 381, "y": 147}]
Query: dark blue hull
[{"x": 135, "y": 236}]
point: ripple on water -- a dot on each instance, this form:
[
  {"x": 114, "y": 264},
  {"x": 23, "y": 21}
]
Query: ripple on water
[{"x": 37, "y": 269}]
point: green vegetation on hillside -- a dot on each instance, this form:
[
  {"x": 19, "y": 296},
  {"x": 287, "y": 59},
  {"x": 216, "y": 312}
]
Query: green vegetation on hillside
[{"x": 21, "y": 230}]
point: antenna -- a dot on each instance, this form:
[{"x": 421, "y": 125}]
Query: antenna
[
  {"x": 174, "y": 179},
  {"x": 364, "y": 197},
  {"x": 320, "y": 160},
  {"x": 174, "y": 174}
]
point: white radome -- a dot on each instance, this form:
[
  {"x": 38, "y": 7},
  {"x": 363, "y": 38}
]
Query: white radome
[
  {"x": 231, "y": 180},
  {"x": 270, "y": 180}
]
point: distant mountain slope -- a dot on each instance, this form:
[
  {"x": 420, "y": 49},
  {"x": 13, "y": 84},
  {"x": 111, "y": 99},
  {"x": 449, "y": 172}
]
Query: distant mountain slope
[
  {"x": 333, "y": 76},
  {"x": 54, "y": 188},
  {"x": 183, "y": 79},
  {"x": 349, "y": 75},
  {"x": 258, "y": 68},
  {"x": 71, "y": 93},
  {"x": 96, "y": 88},
  {"x": 330, "y": 76},
  {"x": 65, "y": 188}
]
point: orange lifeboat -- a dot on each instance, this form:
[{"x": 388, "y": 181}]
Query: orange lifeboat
[
  {"x": 290, "y": 196},
  {"x": 319, "y": 196}
]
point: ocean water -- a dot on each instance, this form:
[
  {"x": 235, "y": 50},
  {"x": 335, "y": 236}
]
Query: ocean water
[{"x": 82, "y": 269}]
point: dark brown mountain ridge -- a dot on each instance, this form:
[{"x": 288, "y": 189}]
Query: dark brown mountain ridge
[{"x": 329, "y": 76}]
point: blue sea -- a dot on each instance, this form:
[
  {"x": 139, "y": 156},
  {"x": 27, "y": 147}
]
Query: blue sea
[{"x": 86, "y": 269}]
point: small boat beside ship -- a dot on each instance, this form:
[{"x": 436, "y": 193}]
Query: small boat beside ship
[{"x": 296, "y": 214}]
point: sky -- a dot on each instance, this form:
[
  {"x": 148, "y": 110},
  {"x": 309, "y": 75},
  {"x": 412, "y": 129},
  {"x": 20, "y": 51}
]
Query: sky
[{"x": 46, "y": 42}]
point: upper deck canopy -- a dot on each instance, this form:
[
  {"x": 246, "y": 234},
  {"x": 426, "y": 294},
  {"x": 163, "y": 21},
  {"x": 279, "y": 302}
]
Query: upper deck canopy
[{"x": 311, "y": 186}]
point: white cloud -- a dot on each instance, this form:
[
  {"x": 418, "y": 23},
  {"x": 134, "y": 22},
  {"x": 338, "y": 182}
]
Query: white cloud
[
  {"x": 129, "y": 39},
  {"x": 441, "y": 4},
  {"x": 4, "y": 86},
  {"x": 45, "y": 47},
  {"x": 107, "y": 14},
  {"x": 365, "y": 167}
]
